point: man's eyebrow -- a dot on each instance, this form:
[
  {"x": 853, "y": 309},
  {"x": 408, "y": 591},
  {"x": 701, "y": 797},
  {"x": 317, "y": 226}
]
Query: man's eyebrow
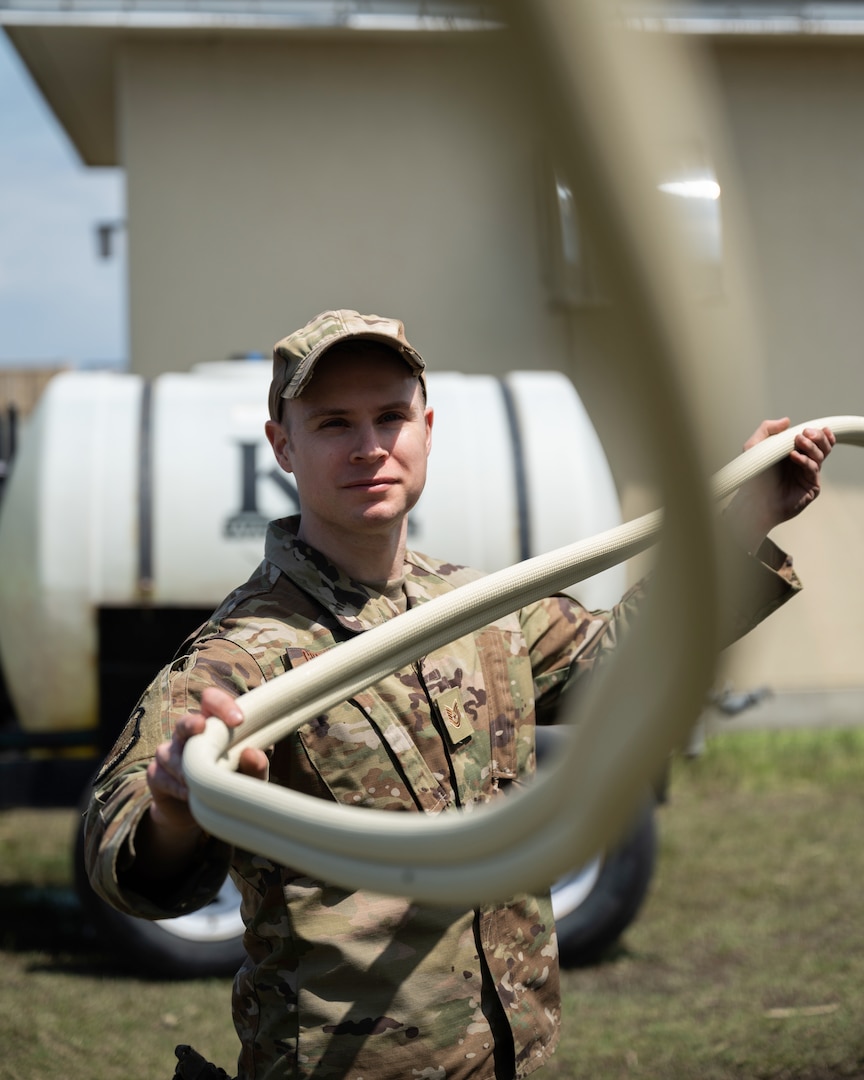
[
  {"x": 318, "y": 411},
  {"x": 326, "y": 410}
]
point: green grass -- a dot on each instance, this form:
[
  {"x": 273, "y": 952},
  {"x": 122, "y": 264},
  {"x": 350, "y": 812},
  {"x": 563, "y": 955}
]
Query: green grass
[
  {"x": 747, "y": 960},
  {"x": 68, "y": 1007},
  {"x": 765, "y": 761}
]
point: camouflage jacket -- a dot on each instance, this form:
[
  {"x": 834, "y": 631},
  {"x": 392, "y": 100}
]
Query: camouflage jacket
[{"x": 342, "y": 983}]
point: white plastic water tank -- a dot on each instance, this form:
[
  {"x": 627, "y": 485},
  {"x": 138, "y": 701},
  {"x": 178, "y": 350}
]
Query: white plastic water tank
[{"x": 128, "y": 494}]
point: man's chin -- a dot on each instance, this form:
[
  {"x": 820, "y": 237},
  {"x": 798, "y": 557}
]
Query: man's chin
[{"x": 381, "y": 517}]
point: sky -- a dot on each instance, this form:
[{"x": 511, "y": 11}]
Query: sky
[{"x": 59, "y": 301}]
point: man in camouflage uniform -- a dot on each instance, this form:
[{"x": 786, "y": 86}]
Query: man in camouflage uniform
[{"x": 343, "y": 983}]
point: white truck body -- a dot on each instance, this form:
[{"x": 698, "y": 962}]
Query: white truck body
[{"x": 134, "y": 495}]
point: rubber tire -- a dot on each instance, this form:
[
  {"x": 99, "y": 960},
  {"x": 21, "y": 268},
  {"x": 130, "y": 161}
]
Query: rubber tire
[
  {"x": 586, "y": 929},
  {"x": 590, "y": 923},
  {"x": 211, "y": 946}
]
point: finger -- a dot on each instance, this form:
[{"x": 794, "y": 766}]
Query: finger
[
  {"x": 814, "y": 445},
  {"x": 766, "y": 429},
  {"x": 824, "y": 438},
  {"x": 188, "y": 725},
  {"x": 774, "y": 427},
  {"x": 219, "y": 703},
  {"x": 164, "y": 777},
  {"x": 806, "y": 466},
  {"x": 254, "y": 762},
  {"x": 168, "y": 758}
]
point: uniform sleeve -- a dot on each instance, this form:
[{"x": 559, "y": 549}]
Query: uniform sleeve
[
  {"x": 567, "y": 642},
  {"x": 760, "y": 584},
  {"x": 121, "y": 796}
]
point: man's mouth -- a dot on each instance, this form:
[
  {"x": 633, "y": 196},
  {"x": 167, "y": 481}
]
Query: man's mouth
[{"x": 372, "y": 483}]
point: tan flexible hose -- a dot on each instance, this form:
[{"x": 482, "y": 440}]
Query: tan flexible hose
[
  {"x": 490, "y": 853},
  {"x": 612, "y": 106}
]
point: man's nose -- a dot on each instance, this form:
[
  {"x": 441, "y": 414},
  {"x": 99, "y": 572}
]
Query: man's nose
[{"x": 368, "y": 445}]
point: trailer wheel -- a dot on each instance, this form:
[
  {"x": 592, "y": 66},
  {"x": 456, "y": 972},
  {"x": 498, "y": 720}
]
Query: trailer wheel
[
  {"x": 593, "y": 906},
  {"x": 595, "y": 903},
  {"x": 202, "y": 944}
]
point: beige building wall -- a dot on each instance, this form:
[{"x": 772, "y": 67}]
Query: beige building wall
[
  {"x": 268, "y": 181},
  {"x": 272, "y": 176},
  {"x": 795, "y": 112}
]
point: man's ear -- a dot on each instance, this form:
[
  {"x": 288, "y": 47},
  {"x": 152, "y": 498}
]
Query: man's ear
[
  {"x": 277, "y": 436},
  {"x": 430, "y": 416}
]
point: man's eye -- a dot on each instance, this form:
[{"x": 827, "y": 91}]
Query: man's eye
[
  {"x": 392, "y": 417},
  {"x": 333, "y": 422}
]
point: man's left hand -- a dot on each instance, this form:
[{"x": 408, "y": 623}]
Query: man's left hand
[{"x": 783, "y": 491}]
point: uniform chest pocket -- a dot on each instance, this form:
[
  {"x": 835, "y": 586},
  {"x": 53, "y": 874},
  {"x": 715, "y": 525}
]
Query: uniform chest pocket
[
  {"x": 363, "y": 752},
  {"x": 473, "y": 686}
]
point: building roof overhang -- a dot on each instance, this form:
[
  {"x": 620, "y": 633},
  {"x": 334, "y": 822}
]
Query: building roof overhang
[{"x": 70, "y": 46}]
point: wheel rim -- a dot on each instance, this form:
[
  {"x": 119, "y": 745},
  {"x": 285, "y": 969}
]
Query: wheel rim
[
  {"x": 572, "y": 890},
  {"x": 218, "y": 921}
]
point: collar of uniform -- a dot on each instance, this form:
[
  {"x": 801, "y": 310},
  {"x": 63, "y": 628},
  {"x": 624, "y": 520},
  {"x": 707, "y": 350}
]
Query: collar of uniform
[
  {"x": 426, "y": 578},
  {"x": 356, "y": 606}
]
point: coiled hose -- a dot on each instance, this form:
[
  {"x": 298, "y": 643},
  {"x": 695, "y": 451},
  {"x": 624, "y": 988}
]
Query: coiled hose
[
  {"x": 616, "y": 104},
  {"x": 575, "y": 809}
]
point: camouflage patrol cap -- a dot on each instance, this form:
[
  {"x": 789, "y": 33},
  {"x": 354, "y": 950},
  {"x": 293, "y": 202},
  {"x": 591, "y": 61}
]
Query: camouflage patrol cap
[{"x": 295, "y": 356}]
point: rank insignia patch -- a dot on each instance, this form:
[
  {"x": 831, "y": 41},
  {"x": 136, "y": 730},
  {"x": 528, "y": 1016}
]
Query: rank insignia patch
[{"x": 452, "y": 713}]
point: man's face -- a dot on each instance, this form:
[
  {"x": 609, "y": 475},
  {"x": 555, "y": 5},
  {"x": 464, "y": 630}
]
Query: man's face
[{"x": 356, "y": 441}]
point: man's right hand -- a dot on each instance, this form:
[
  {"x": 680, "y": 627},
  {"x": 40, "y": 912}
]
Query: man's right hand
[{"x": 170, "y": 834}]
